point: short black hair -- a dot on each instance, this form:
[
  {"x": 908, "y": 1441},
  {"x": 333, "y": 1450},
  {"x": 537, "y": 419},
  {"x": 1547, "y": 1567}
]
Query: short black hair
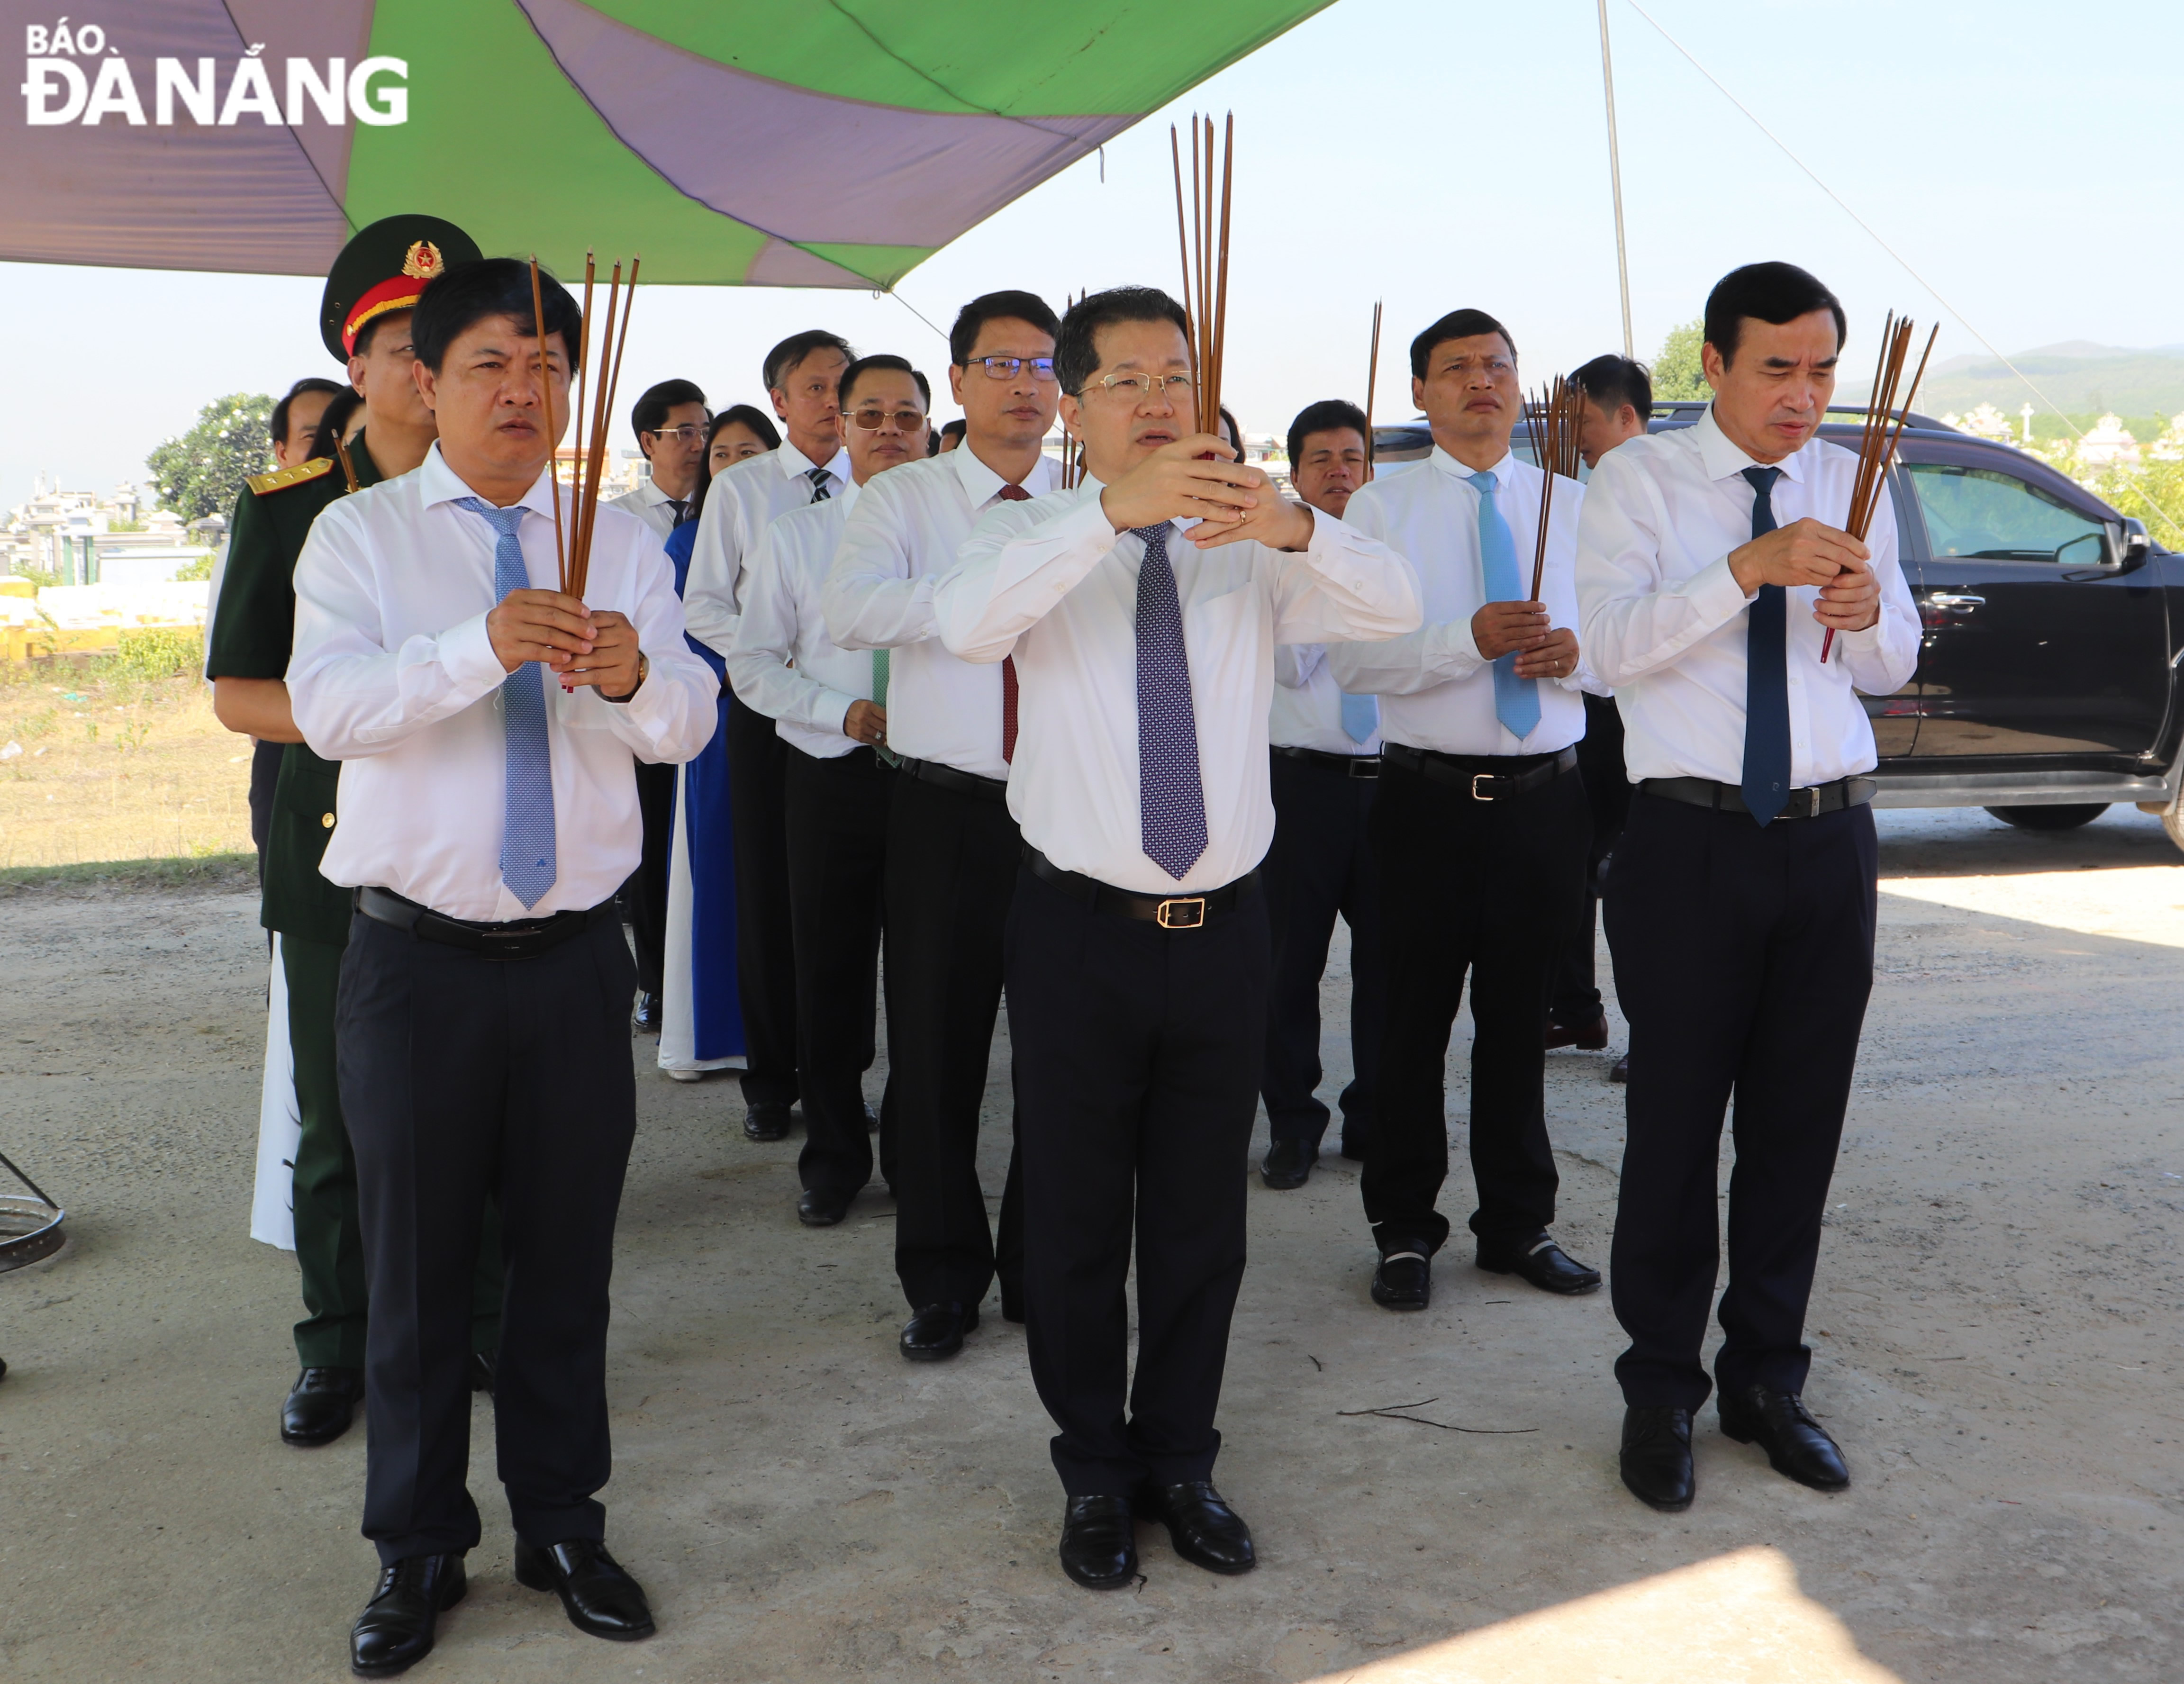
[
  {"x": 1235, "y": 429},
  {"x": 1075, "y": 354},
  {"x": 470, "y": 293},
  {"x": 651, "y": 409},
  {"x": 745, "y": 414},
  {"x": 1327, "y": 416},
  {"x": 997, "y": 307},
  {"x": 1611, "y": 382},
  {"x": 1458, "y": 324},
  {"x": 1772, "y": 292},
  {"x": 955, "y": 429},
  {"x": 334, "y": 424},
  {"x": 278, "y": 427},
  {"x": 865, "y": 365},
  {"x": 784, "y": 357}
]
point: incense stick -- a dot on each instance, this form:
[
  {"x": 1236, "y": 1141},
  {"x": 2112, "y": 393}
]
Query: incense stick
[
  {"x": 1372, "y": 385},
  {"x": 1877, "y": 439},
  {"x": 1556, "y": 420},
  {"x": 546, "y": 393},
  {"x": 603, "y": 385},
  {"x": 1202, "y": 242}
]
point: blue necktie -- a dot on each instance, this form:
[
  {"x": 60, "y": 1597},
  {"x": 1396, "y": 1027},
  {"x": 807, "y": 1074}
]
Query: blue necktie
[
  {"x": 1171, "y": 801},
  {"x": 1516, "y": 700},
  {"x": 1361, "y": 716},
  {"x": 527, "y": 836},
  {"x": 1766, "y": 787}
]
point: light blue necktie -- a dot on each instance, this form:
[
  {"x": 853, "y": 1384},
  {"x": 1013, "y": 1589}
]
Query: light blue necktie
[
  {"x": 1516, "y": 700},
  {"x": 1361, "y": 716},
  {"x": 527, "y": 836}
]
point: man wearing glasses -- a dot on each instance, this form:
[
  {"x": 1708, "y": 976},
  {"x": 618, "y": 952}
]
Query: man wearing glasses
[
  {"x": 827, "y": 704},
  {"x": 953, "y": 848},
  {"x": 1137, "y": 949}
]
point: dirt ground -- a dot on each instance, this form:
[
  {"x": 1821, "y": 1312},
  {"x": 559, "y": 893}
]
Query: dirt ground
[{"x": 1995, "y": 1324}]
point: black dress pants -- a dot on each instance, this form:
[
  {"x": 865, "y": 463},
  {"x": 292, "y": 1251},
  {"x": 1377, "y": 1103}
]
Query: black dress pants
[
  {"x": 1483, "y": 886},
  {"x": 1576, "y": 998},
  {"x": 1138, "y": 1054},
  {"x": 1743, "y": 958},
  {"x": 952, "y": 858},
  {"x": 265, "y": 774},
  {"x": 765, "y": 947},
  {"x": 644, "y": 896},
  {"x": 837, "y": 834},
  {"x": 463, "y": 1079},
  {"x": 1321, "y": 867}
]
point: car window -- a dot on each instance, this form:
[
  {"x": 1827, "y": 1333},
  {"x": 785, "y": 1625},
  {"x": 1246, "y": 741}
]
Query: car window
[{"x": 1980, "y": 514}]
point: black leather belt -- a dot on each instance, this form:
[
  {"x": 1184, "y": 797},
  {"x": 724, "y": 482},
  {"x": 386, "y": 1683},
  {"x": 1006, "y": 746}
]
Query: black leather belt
[
  {"x": 1806, "y": 803},
  {"x": 954, "y": 778},
  {"x": 524, "y": 939},
  {"x": 1169, "y": 912},
  {"x": 1350, "y": 766},
  {"x": 1488, "y": 778}
]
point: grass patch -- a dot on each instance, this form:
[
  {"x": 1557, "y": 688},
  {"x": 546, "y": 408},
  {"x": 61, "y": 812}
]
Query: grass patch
[{"x": 225, "y": 873}]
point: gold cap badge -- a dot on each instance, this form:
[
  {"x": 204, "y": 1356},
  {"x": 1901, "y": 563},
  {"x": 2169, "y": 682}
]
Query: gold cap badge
[{"x": 422, "y": 261}]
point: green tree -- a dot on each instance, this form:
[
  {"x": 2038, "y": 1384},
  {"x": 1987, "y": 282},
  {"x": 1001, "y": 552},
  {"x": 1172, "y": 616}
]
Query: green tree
[
  {"x": 1676, "y": 369},
  {"x": 202, "y": 472}
]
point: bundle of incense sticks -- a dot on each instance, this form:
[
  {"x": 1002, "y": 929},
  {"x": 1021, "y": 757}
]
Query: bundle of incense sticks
[
  {"x": 1557, "y": 417},
  {"x": 1876, "y": 443},
  {"x": 574, "y": 552},
  {"x": 1073, "y": 446},
  {"x": 1372, "y": 385},
  {"x": 1201, "y": 235}
]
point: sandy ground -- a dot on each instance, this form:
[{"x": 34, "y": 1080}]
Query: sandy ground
[{"x": 1997, "y": 1325}]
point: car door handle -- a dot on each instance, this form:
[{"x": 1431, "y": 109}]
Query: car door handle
[{"x": 1955, "y": 603}]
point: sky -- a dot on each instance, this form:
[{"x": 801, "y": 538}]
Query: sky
[{"x": 1431, "y": 153}]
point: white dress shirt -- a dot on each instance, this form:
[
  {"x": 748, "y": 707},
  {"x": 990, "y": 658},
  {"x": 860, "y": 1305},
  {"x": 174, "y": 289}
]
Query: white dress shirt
[
  {"x": 1307, "y": 706},
  {"x": 1436, "y": 689},
  {"x": 651, "y": 505},
  {"x": 741, "y": 503},
  {"x": 904, "y": 537},
  {"x": 1663, "y": 619},
  {"x": 393, "y": 673},
  {"x": 783, "y": 663},
  {"x": 1054, "y": 583}
]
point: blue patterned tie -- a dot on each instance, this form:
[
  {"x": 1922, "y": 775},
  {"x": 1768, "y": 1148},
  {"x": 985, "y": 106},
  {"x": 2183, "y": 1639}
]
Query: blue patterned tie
[
  {"x": 819, "y": 477},
  {"x": 527, "y": 837},
  {"x": 1766, "y": 787},
  {"x": 1516, "y": 700},
  {"x": 1361, "y": 716},
  {"x": 1171, "y": 801}
]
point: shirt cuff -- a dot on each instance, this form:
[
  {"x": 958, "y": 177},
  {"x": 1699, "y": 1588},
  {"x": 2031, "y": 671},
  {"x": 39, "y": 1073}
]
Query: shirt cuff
[
  {"x": 466, "y": 653},
  {"x": 830, "y": 710},
  {"x": 1714, "y": 593}
]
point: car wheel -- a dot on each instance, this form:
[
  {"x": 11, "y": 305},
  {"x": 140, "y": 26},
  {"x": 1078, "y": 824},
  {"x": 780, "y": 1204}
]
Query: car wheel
[
  {"x": 2050, "y": 818},
  {"x": 2171, "y": 815}
]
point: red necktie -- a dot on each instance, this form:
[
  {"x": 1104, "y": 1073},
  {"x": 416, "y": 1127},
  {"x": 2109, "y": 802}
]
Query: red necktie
[{"x": 1010, "y": 493}]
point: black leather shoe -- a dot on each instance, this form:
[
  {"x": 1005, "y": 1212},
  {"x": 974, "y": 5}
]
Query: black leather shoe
[
  {"x": 646, "y": 1018},
  {"x": 394, "y": 1632},
  {"x": 1403, "y": 1281},
  {"x": 320, "y": 1405},
  {"x": 766, "y": 1120},
  {"x": 1204, "y": 1530},
  {"x": 1099, "y": 1543},
  {"x": 1542, "y": 1263},
  {"x": 601, "y": 1596},
  {"x": 936, "y": 1331},
  {"x": 1780, "y": 1425},
  {"x": 1621, "y": 1070},
  {"x": 1591, "y": 1037},
  {"x": 872, "y": 1121},
  {"x": 485, "y": 1369},
  {"x": 1656, "y": 1457},
  {"x": 817, "y": 1210},
  {"x": 1287, "y": 1164}
]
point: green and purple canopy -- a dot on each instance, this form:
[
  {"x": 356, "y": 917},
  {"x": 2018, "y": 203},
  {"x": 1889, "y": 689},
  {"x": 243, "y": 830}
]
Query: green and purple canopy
[{"x": 768, "y": 142}]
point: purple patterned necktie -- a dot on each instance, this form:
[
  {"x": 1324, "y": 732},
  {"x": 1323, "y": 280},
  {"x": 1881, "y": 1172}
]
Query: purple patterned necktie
[{"x": 1171, "y": 801}]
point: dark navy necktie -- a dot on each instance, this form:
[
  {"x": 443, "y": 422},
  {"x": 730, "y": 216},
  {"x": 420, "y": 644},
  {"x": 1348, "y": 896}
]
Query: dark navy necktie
[
  {"x": 1766, "y": 787},
  {"x": 1171, "y": 799},
  {"x": 820, "y": 490}
]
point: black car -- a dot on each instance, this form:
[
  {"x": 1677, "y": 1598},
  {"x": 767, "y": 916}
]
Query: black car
[{"x": 2046, "y": 687}]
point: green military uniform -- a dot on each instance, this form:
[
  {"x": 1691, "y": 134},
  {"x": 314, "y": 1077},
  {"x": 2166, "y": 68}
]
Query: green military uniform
[{"x": 254, "y": 631}]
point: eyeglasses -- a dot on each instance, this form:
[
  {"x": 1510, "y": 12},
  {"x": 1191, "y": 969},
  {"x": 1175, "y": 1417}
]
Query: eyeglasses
[
  {"x": 1139, "y": 386},
  {"x": 688, "y": 432},
  {"x": 872, "y": 420},
  {"x": 1005, "y": 368}
]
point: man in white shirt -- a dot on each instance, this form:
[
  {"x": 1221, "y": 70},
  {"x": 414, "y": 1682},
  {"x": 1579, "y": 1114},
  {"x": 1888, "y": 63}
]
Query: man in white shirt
[
  {"x": 802, "y": 374},
  {"x": 1481, "y": 822},
  {"x": 670, "y": 421},
  {"x": 1325, "y": 769},
  {"x": 486, "y": 819},
  {"x": 839, "y": 786},
  {"x": 1137, "y": 949},
  {"x": 1713, "y": 563},
  {"x": 953, "y": 849}
]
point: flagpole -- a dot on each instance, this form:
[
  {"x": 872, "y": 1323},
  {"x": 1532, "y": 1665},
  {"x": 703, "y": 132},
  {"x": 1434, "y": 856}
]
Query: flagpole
[{"x": 1615, "y": 182}]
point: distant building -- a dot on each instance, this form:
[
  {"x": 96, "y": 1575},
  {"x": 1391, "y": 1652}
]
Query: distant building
[
  {"x": 2107, "y": 445},
  {"x": 1986, "y": 421},
  {"x": 73, "y": 536}
]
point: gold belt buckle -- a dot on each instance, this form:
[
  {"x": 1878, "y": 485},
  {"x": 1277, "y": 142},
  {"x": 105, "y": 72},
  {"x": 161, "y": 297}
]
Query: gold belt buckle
[
  {"x": 1475, "y": 778},
  {"x": 1184, "y": 911}
]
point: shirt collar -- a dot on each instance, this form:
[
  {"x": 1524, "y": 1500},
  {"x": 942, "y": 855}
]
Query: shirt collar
[
  {"x": 981, "y": 484},
  {"x": 1501, "y": 471},
  {"x": 794, "y": 464},
  {"x": 441, "y": 483},
  {"x": 1723, "y": 459}
]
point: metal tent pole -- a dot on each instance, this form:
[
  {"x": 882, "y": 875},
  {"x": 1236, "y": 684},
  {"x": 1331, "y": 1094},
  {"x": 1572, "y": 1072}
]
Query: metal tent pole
[{"x": 1615, "y": 182}]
